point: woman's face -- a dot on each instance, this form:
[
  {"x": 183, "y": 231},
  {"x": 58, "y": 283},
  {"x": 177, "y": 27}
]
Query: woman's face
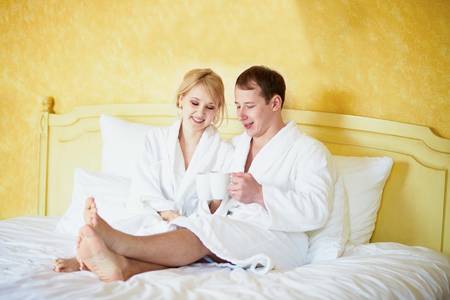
[{"x": 197, "y": 109}]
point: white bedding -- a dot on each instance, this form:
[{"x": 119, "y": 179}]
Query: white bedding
[{"x": 373, "y": 271}]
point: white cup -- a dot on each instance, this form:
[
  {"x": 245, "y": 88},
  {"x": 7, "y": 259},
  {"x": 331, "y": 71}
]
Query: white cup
[
  {"x": 219, "y": 185},
  {"x": 203, "y": 187}
]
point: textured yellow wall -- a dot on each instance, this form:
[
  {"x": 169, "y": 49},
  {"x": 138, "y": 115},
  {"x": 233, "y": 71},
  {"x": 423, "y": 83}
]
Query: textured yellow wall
[{"x": 385, "y": 59}]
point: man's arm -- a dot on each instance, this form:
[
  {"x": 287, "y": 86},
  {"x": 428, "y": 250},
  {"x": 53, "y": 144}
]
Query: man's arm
[
  {"x": 302, "y": 206},
  {"x": 246, "y": 189}
]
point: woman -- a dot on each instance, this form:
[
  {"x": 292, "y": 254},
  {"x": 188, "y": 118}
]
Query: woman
[{"x": 163, "y": 186}]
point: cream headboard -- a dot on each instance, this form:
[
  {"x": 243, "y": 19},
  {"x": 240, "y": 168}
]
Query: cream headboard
[{"x": 415, "y": 208}]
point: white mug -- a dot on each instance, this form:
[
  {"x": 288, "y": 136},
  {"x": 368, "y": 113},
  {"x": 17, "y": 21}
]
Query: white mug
[
  {"x": 203, "y": 187},
  {"x": 219, "y": 185}
]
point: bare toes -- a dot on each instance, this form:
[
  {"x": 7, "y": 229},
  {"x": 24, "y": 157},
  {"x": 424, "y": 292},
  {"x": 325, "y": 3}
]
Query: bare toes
[
  {"x": 65, "y": 265},
  {"x": 94, "y": 219}
]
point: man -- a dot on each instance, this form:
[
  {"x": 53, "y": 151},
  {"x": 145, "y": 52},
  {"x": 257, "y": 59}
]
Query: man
[{"x": 280, "y": 187}]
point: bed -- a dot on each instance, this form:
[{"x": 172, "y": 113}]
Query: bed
[{"x": 407, "y": 257}]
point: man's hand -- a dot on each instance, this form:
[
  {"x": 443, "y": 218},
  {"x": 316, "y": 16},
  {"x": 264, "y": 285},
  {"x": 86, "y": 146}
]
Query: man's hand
[
  {"x": 168, "y": 215},
  {"x": 244, "y": 188}
]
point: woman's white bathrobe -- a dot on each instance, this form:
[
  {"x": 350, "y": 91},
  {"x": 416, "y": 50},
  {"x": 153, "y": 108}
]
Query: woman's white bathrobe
[
  {"x": 160, "y": 181},
  {"x": 297, "y": 179}
]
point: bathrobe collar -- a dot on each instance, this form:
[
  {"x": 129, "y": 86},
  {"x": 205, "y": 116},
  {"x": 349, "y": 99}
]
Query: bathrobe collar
[
  {"x": 276, "y": 147},
  {"x": 174, "y": 161},
  {"x": 208, "y": 144}
]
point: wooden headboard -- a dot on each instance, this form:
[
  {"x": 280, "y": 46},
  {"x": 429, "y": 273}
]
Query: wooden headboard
[{"x": 415, "y": 208}]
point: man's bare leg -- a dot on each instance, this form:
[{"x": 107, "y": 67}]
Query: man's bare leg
[
  {"x": 72, "y": 264},
  {"x": 107, "y": 265},
  {"x": 173, "y": 249},
  {"x": 66, "y": 265}
]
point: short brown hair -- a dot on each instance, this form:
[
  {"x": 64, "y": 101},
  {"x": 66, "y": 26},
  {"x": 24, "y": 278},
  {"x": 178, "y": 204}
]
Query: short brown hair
[
  {"x": 270, "y": 82},
  {"x": 212, "y": 82}
]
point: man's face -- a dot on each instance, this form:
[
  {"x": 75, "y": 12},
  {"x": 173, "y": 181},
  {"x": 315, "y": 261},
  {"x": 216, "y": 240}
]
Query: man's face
[{"x": 251, "y": 109}]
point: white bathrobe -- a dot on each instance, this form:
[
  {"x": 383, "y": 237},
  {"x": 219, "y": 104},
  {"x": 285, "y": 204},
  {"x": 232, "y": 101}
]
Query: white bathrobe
[
  {"x": 160, "y": 181},
  {"x": 297, "y": 180}
]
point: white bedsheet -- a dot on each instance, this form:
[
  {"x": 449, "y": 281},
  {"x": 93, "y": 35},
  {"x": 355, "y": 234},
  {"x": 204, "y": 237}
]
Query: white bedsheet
[{"x": 375, "y": 271}]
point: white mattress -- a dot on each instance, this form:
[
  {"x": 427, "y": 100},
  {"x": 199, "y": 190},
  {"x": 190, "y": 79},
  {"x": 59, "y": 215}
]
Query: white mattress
[{"x": 374, "y": 271}]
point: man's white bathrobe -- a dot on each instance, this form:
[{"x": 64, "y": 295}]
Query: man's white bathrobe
[
  {"x": 297, "y": 180},
  {"x": 161, "y": 182}
]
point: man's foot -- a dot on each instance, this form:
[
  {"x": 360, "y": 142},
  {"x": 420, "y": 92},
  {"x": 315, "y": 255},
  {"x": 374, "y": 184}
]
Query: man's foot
[
  {"x": 90, "y": 209},
  {"x": 103, "y": 229},
  {"x": 95, "y": 255},
  {"x": 66, "y": 265}
]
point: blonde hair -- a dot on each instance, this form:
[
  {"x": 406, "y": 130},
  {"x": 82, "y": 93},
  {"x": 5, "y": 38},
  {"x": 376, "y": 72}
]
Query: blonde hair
[{"x": 212, "y": 82}]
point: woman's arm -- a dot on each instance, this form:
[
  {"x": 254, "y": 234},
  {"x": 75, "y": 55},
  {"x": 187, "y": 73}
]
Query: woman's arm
[{"x": 168, "y": 215}]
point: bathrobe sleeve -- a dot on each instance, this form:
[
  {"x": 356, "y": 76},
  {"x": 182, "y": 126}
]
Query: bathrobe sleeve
[
  {"x": 304, "y": 204},
  {"x": 146, "y": 192}
]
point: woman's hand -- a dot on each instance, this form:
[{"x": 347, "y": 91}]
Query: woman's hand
[
  {"x": 168, "y": 215},
  {"x": 214, "y": 205}
]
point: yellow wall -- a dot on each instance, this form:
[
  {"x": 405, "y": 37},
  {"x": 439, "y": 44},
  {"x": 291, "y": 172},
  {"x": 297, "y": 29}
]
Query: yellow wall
[{"x": 385, "y": 59}]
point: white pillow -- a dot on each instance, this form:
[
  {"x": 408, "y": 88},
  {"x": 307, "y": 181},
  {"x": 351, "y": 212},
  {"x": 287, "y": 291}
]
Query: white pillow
[
  {"x": 329, "y": 242},
  {"x": 110, "y": 193},
  {"x": 364, "y": 179},
  {"x": 122, "y": 143}
]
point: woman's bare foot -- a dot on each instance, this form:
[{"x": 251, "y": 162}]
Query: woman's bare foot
[
  {"x": 95, "y": 255},
  {"x": 66, "y": 265}
]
